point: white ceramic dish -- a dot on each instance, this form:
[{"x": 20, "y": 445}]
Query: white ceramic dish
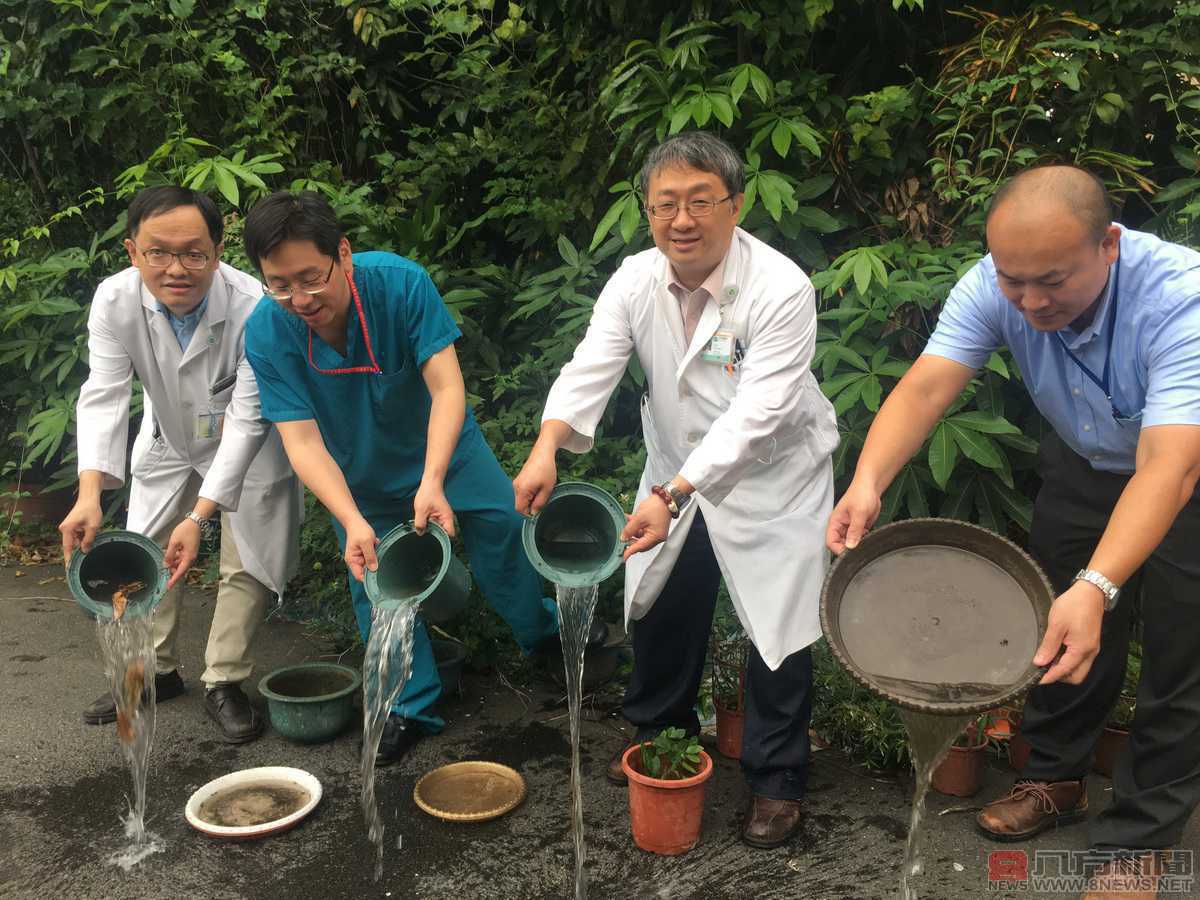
[{"x": 272, "y": 774}]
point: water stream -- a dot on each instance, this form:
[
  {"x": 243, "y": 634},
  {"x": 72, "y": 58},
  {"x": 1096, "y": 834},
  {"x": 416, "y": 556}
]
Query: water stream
[
  {"x": 575, "y": 608},
  {"x": 386, "y": 668},
  {"x": 929, "y": 739},
  {"x": 127, "y": 651}
]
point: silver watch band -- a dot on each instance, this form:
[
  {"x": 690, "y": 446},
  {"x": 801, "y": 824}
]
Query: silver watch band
[
  {"x": 1110, "y": 590},
  {"x": 681, "y": 499},
  {"x": 207, "y": 526}
]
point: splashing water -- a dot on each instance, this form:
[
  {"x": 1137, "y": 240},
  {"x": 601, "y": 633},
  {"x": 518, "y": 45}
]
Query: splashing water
[
  {"x": 575, "y": 608},
  {"x": 929, "y": 740},
  {"x": 385, "y": 670},
  {"x": 127, "y": 650}
]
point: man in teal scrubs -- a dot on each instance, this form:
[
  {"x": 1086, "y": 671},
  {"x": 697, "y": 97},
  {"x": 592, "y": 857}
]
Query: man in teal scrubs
[{"x": 356, "y": 367}]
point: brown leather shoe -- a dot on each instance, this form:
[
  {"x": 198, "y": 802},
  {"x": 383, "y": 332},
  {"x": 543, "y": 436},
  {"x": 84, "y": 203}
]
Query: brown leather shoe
[
  {"x": 1127, "y": 878},
  {"x": 1031, "y": 807},
  {"x": 770, "y": 823},
  {"x": 614, "y": 773}
]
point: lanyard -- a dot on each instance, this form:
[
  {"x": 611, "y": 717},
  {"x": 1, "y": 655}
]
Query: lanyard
[
  {"x": 373, "y": 368},
  {"x": 1103, "y": 381}
]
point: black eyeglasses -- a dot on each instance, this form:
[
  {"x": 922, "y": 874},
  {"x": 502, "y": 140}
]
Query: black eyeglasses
[
  {"x": 158, "y": 258},
  {"x": 697, "y": 209},
  {"x": 306, "y": 287}
]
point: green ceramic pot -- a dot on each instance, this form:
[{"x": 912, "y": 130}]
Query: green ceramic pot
[{"x": 311, "y": 702}]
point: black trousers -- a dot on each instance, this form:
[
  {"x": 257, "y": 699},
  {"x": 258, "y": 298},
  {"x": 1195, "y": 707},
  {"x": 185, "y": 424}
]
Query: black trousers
[
  {"x": 669, "y": 646},
  {"x": 1156, "y": 782}
]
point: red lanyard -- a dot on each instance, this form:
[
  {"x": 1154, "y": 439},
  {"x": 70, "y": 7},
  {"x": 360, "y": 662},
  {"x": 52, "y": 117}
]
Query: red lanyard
[{"x": 373, "y": 368}]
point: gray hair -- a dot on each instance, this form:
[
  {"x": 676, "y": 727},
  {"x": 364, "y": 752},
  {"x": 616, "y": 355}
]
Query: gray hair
[{"x": 700, "y": 150}]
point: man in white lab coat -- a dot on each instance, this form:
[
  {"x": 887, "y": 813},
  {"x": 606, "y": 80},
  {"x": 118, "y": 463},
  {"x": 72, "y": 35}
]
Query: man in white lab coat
[
  {"x": 737, "y": 482},
  {"x": 175, "y": 320}
]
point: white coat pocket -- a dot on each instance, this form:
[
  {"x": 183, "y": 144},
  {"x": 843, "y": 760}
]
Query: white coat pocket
[{"x": 144, "y": 464}]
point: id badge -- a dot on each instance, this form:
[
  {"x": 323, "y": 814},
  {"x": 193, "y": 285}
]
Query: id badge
[
  {"x": 719, "y": 349},
  {"x": 209, "y": 425}
]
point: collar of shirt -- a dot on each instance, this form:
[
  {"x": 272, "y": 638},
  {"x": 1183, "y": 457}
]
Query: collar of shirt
[
  {"x": 692, "y": 303},
  {"x": 1074, "y": 340},
  {"x": 184, "y": 326}
]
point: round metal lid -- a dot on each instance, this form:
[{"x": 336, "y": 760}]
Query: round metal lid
[{"x": 937, "y": 616}]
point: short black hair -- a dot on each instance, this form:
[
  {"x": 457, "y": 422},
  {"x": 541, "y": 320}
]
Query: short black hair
[
  {"x": 700, "y": 150},
  {"x": 154, "y": 201},
  {"x": 291, "y": 216},
  {"x": 1081, "y": 191}
]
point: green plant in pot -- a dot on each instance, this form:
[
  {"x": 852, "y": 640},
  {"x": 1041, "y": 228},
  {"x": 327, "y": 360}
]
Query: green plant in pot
[
  {"x": 666, "y": 791},
  {"x": 960, "y": 773}
]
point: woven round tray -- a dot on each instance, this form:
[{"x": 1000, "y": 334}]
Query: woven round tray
[{"x": 469, "y": 791}]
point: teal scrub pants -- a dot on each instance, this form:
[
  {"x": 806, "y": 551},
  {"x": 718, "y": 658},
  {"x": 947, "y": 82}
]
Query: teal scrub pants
[{"x": 481, "y": 496}]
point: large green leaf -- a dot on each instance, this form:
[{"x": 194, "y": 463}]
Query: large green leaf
[
  {"x": 976, "y": 446},
  {"x": 943, "y": 454}
]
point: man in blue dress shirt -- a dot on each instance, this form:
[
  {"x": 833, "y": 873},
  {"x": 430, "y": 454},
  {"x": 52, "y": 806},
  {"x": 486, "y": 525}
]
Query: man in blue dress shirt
[{"x": 1104, "y": 323}]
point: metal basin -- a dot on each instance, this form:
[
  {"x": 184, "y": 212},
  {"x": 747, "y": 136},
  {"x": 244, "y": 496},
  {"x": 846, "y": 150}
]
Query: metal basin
[{"x": 937, "y": 616}]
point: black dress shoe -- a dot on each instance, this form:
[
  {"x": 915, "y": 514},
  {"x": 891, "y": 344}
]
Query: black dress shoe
[
  {"x": 103, "y": 710},
  {"x": 399, "y": 736},
  {"x": 230, "y": 708}
]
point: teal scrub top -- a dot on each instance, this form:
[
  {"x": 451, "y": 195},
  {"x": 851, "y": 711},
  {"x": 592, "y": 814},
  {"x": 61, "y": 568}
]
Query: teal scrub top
[{"x": 374, "y": 426}]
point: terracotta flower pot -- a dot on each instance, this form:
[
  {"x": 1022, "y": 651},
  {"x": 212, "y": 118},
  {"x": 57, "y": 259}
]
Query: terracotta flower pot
[
  {"x": 960, "y": 774},
  {"x": 730, "y": 724},
  {"x": 665, "y": 815},
  {"x": 1112, "y": 742},
  {"x": 41, "y": 505}
]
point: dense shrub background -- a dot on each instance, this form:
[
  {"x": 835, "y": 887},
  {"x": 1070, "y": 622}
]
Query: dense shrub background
[{"x": 496, "y": 143}]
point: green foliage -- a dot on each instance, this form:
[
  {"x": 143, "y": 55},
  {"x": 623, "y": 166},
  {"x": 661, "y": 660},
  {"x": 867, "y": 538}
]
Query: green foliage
[
  {"x": 498, "y": 144},
  {"x": 672, "y": 756},
  {"x": 853, "y": 719}
]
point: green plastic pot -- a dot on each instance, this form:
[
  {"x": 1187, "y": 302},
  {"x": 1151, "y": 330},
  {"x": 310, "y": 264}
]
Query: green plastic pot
[
  {"x": 116, "y": 558},
  {"x": 311, "y": 702},
  {"x": 419, "y": 568},
  {"x": 575, "y": 540}
]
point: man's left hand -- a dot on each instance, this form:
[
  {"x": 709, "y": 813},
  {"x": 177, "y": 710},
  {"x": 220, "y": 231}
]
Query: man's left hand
[
  {"x": 647, "y": 527},
  {"x": 431, "y": 503},
  {"x": 182, "y": 549},
  {"x": 1073, "y": 626}
]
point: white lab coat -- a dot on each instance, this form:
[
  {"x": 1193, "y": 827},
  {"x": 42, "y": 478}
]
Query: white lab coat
[
  {"x": 244, "y": 470},
  {"x": 755, "y": 444}
]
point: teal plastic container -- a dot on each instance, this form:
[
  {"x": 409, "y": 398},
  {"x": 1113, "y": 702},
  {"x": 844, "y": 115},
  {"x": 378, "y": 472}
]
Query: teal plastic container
[
  {"x": 575, "y": 540},
  {"x": 117, "y": 558},
  {"x": 311, "y": 702},
  {"x": 419, "y": 568}
]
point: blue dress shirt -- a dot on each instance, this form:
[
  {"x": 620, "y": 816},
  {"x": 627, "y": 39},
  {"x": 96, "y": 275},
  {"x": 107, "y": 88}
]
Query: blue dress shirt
[{"x": 1155, "y": 349}]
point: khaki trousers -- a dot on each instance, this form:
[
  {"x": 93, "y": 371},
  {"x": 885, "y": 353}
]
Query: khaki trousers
[{"x": 241, "y": 605}]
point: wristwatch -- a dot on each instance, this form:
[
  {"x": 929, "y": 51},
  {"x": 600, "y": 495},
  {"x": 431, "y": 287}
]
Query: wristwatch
[
  {"x": 207, "y": 527},
  {"x": 1111, "y": 591},
  {"x": 675, "y": 499}
]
